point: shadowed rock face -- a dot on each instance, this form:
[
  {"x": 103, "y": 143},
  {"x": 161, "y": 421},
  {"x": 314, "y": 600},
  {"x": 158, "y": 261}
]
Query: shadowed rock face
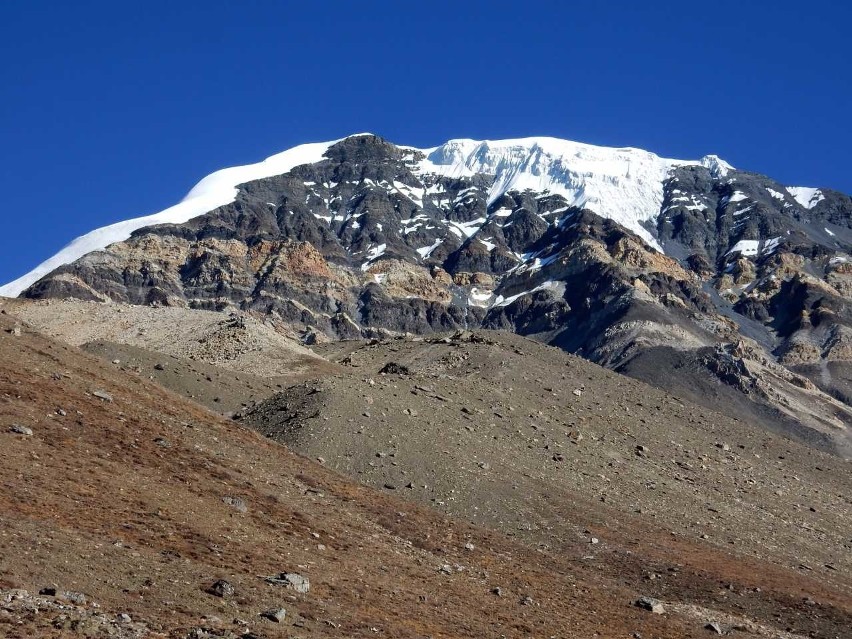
[{"x": 365, "y": 243}]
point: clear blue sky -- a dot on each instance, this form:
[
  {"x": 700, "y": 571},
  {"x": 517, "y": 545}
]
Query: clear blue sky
[{"x": 112, "y": 110}]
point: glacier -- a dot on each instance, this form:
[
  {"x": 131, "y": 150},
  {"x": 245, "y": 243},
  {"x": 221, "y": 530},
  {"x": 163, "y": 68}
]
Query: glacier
[{"x": 623, "y": 184}]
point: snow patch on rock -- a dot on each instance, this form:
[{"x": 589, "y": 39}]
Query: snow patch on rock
[{"x": 806, "y": 196}]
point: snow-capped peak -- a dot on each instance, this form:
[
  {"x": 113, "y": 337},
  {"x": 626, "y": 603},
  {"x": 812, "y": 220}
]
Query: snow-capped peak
[
  {"x": 718, "y": 167},
  {"x": 624, "y": 184}
]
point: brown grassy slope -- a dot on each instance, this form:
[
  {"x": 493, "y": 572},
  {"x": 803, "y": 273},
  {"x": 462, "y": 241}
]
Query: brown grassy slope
[{"x": 122, "y": 500}]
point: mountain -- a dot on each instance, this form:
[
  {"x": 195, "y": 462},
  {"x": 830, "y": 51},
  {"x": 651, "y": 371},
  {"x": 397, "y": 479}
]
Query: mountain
[
  {"x": 354, "y": 367},
  {"x": 583, "y": 173},
  {"x": 723, "y": 285}
]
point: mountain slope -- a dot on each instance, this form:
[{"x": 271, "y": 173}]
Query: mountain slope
[
  {"x": 215, "y": 190},
  {"x": 561, "y": 454},
  {"x": 543, "y": 237},
  {"x": 128, "y": 500}
]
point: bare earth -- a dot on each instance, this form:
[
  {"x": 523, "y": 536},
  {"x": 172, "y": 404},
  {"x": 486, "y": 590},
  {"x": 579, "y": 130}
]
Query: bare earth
[{"x": 139, "y": 499}]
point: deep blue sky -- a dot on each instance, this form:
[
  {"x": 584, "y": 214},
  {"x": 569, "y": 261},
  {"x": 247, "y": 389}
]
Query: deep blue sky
[{"x": 112, "y": 110}]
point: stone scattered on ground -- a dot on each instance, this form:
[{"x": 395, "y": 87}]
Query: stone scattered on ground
[
  {"x": 151, "y": 550},
  {"x": 222, "y": 588},
  {"x": 276, "y": 614},
  {"x": 237, "y": 503},
  {"x": 292, "y": 581},
  {"x": 64, "y": 614},
  {"x": 650, "y": 604},
  {"x": 20, "y": 430}
]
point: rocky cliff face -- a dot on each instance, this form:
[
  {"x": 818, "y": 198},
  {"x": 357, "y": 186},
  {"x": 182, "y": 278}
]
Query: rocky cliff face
[{"x": 752, "y": 287}]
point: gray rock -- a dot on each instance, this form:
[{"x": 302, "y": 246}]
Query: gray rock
[
  {"x": 392, "y": 368},
  {"x": 715, "y": 627},
  {"x": 291, "y": 580},
  {"x": 20, "y": 430},
  {"x": 100, "y": 394},
  {"x": 238, "y": 503},
  {"x": 276, "y": 614},
  {"x": 650, "y": 604},
  {"x": 222, "y": 588},
  {"x": 73, "y": 597}
]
